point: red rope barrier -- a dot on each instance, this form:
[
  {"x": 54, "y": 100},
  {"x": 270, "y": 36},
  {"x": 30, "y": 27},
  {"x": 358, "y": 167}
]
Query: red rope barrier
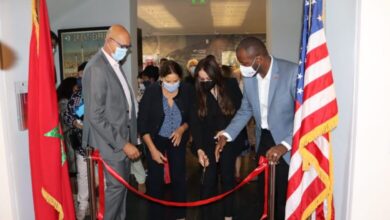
[
  {"x": 262, "y": 166},
  {"x": 100, "y": 213}
]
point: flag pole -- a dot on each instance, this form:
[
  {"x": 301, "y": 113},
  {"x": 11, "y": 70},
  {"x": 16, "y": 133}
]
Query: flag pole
[
  {"x": 91, "y": 183},
  {"x": 310, "y": 13},
  {"x": 309, "y": 26},
  {"x": 271, "y": 198}
]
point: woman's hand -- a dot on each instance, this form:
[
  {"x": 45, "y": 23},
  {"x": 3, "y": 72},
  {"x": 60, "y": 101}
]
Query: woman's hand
[
  {"x": 176, "y": 136},
  {"x": 158, "y": 156},
  {"x": 203, "y": 159},
  {"x": 77, "y": 124}
]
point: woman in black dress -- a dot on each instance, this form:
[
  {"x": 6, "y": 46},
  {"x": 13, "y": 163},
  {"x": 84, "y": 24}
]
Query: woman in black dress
[
  {"x": 217, "y": 100},
  {"x": 163, "y": 123}
]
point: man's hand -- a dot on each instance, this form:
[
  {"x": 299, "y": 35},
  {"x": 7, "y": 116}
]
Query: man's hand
[
  {"x": 131, "y": 151},
  {"x": 203, "y": 159},
  {"x": 275, "y": 152},
  {"x": 220, "y": 145},
  {"x": 158, "y": 156}
]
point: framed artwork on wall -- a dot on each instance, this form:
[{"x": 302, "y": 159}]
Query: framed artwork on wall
[{"x": 77, "y": 45}]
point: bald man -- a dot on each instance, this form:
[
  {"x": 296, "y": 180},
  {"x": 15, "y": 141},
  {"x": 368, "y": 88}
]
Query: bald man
[
  {"x": 110, "y": 123},
  {"x": 269, "y": 92}
]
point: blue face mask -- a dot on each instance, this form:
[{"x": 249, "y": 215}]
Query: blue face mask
[
  {"x": 119, "y": 54},
  {"x": 79, "y": 82},
  {"x": 171, "y": 87}
]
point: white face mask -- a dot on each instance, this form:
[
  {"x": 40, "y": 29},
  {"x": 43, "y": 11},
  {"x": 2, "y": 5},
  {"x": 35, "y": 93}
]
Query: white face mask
[
  {"x": 142, "y": 87},
  {"x": 248, "y": 71},
  {"x": 192, "y": 70}
]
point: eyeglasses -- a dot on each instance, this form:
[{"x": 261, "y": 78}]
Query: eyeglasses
[{"x": 121, "y": 45}]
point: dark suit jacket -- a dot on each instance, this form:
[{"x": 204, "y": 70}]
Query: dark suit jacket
[
  {"x": 151, "y": 112},
  {"x": 204, "y": 129},
  {"x": 107, "y": 126}
]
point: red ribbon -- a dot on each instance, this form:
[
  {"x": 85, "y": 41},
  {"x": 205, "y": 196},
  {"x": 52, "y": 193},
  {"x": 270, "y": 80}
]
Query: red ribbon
[
  {"x": 262, "y": 166},
  {"x": 167, "y": 174}
]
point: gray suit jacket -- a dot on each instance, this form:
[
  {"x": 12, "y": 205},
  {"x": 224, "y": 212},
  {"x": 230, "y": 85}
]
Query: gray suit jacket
[
  {"x": 107, "y": 126},
  {"x": 280, "y": 104}
]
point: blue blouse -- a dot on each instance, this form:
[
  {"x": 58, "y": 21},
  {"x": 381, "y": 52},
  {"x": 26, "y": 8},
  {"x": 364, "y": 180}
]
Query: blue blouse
[{"x": 172, "y": 119}]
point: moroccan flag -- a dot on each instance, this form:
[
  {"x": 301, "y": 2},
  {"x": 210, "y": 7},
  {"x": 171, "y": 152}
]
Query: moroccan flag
[
  {"x": 310, "y": 183},
  {"x": 49, "y": 169}
]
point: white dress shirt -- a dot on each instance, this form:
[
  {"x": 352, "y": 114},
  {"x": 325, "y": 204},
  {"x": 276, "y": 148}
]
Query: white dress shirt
[
  {"x": 263, "y": 87},
  {"x": 116, "y": 66},
  {"x": 263, "y": 91}
]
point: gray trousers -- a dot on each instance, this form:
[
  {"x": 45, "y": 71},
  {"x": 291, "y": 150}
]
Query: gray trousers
[{"x": 115, "y": 192}]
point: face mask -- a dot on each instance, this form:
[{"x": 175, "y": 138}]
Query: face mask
[
  {"x": 192, "y": 71},
  {"x": 171, "y": 87},
  {"x": 79, "y": 82},
  {"x": 207, "y": 85},
  {"x": 248, "y": 71},
  {"x": 119, "y": 54},
  {"x": 146, "y": 84},
  {"x": 142, "y": 87}
]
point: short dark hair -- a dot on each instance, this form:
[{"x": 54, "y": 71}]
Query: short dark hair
[
  {"x": 162, "y": 60},
  {"x": 65, "y": 89},
  {"x": 54, "y": 37},
  {"x": 169, "y": 67},
  {"x": 151, "y": 72},
  {"x": 226, "y": 71},
  {"x": 253, "y": 46},
  {"x": 81, "y": 67}
]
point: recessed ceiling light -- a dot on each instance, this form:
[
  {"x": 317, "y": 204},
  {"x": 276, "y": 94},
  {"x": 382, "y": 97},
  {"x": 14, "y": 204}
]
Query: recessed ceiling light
[
  {"x": 229, "y": 14},
  {"x": 158, "y": 16}
]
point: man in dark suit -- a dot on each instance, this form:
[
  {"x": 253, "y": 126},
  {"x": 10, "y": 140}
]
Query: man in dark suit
[
  {"x": 110, "y": 123},
  {"x": 269, "y": 92}
]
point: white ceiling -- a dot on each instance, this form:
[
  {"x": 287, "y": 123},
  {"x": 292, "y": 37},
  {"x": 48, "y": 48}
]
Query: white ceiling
[{"x": 214, "y": 16}]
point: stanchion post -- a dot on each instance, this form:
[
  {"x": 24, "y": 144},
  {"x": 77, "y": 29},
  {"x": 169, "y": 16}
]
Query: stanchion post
[
  {"x": 271, "y": 194},
  {"x": 91, "y": 183}
]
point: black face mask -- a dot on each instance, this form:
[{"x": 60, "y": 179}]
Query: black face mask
[
  {"x": 207, "y": 85},
  {"x": 147, "y": 84}
]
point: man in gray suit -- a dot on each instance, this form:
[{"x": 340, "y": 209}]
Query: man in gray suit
[
  {"x": 269, "y": 92},
  {"x": 110, "y": 116}
]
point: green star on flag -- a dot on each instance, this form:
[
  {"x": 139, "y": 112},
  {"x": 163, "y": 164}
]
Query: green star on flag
[{"x": 55, "y": 133}]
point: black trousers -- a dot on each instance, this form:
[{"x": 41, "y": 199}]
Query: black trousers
[
  {"x": 155, "y": 179},
  {"x": 209, "y": 185},
  {"x": 281, "y": 177}
]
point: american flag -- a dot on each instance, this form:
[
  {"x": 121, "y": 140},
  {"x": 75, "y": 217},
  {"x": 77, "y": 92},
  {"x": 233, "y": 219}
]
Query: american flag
[{"x": 310, "y": 183}]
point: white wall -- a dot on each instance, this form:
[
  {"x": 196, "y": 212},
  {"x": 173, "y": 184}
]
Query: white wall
[
  {"x": 95, "y": 13},
  {"x": 284, "y": 28},
  {"x": 370, "y": 188},
  {"x": 15, "y": 30},
  {"x": 6, "y": 184},
  {"x": 340, "y": 27}
]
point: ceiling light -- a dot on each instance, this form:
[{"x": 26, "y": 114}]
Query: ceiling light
[
  {"x": 158, "y": 16},
  {"x": 229, "y": 14}
]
